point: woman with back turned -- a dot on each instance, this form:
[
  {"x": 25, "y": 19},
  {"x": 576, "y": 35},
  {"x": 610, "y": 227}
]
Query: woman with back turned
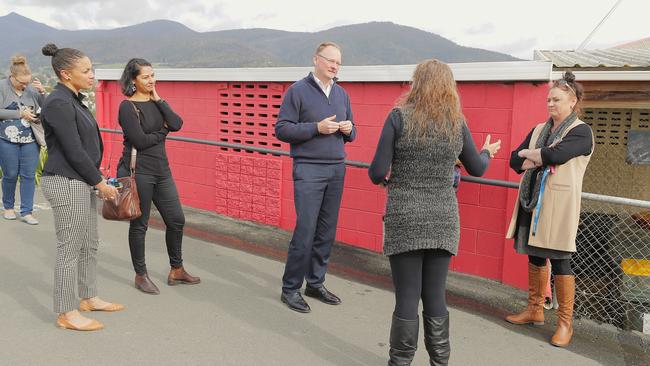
[
  {"x": 421, "y": 140},
  {"x": 71, "y": 172}
]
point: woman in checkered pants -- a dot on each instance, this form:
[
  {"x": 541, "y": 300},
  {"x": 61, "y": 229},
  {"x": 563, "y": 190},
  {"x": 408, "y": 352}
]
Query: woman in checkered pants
[{"x": 70, "y": 178}]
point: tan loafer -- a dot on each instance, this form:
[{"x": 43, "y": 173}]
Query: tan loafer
[
  {"x": 85, "y": 305},
  {"x": 63, "y": 323}
]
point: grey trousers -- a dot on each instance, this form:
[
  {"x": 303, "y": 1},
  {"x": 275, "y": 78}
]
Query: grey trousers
[{"x": 74, "y": 206}]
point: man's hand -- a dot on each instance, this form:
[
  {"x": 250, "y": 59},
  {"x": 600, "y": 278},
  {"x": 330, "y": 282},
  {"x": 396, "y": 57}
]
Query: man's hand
[
  {"x": 328, "y": 126},
  {"x": 345, "y": 127}
]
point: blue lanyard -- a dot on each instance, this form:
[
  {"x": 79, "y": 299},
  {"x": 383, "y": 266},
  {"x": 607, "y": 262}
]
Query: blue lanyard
[{"x": 538, "y": 207}]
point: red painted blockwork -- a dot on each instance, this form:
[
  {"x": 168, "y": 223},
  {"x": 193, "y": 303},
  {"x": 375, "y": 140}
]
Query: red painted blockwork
[
  {"x": 259, "y": 187},
  {"x": 248, "y": 188}
]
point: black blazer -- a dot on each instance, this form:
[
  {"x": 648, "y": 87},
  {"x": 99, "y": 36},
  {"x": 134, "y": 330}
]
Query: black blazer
[{"x": 74, "y": 143}]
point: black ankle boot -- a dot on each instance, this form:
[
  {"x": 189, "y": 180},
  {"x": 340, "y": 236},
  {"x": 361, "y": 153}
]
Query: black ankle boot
[
  {"x": 403, "y": 341},
  {"x": 436, "y": 339}
]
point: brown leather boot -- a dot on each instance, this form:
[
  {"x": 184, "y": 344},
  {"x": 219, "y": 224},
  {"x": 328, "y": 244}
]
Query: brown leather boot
[
  {"x": 179, "y": 276},
  {"x": 534, "y": 312},
  {"x": 144, "y": 284},
  {"x": 566, "y": 289}
]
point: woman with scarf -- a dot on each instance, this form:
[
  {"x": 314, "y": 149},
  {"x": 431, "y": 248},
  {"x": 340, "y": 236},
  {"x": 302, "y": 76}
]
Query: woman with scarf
[{"x": 544, "y": 224}]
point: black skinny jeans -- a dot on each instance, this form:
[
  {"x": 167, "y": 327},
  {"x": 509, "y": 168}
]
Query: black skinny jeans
[
  {"x": 420, "y": 274},
  {"x": 559, "y": 267},
  {"x": 161, "y": 190}
]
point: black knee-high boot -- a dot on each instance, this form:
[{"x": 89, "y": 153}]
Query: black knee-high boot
[
  {"x": 403, "y": 341},
  {"x": 436, "y": 339}
]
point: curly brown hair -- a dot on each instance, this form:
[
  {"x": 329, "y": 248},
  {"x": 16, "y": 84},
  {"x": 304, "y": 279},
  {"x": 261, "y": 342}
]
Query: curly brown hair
[{"x": 432, "y": 102}]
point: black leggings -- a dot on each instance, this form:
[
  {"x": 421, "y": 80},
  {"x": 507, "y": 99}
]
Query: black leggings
[
  {"x": 161, "y": 190},
  {"x": 559, "y": 267},
  {"x": 420, "y": 274}
]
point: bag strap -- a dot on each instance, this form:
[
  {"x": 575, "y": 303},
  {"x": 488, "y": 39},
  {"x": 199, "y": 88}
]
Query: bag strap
[{"x": 134, "y": 152}]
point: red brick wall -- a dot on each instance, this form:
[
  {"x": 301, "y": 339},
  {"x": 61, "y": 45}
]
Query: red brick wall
[{"x": 258, "y": 187}]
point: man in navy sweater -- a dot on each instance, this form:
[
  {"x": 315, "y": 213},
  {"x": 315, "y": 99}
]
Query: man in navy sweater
[{"x": 316, "y": 119}]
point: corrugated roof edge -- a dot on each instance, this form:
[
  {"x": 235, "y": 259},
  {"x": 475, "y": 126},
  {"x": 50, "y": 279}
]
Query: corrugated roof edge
[
  {"x": 472, "y": 71},
  {"x": 606, "y": 75}
]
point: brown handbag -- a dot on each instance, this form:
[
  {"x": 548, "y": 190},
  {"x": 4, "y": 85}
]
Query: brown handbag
[{"x": 126, "y": 204}]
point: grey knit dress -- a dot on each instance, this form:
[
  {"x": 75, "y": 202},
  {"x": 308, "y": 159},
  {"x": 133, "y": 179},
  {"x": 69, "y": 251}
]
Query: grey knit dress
[{"x": 422, "y": 209}]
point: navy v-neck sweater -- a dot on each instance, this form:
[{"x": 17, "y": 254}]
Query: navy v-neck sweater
[{"x": 304, "y": 105}]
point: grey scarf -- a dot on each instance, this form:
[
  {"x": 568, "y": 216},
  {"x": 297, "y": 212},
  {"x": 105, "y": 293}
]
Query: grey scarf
[{"x": 546, "y": 138}]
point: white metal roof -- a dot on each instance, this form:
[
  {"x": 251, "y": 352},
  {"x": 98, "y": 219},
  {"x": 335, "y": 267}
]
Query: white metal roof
[
  {"x": 611, "y": 57},
  {"x": 474, "y": 71}
]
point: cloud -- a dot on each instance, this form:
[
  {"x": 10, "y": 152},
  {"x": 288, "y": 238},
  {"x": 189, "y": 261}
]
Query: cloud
[
  {"x": 522, "y": 48},
  {"x": 485, "y": 28},
  {"x": 200, "y": 15},
  {"x": 48, "y": 3}
]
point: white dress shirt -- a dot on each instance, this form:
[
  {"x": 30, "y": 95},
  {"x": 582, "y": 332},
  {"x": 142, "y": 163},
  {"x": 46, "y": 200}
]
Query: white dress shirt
[{"x": 325, "y": 88}]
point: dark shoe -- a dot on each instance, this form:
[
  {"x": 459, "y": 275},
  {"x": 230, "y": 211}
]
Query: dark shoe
[
  {"x": 179, "y": 276},
  {"x": 144, "y": 284},
  {"x": 295, "y": 302},
  {"x": 436, "y": 339},
  {"x": 322, "y": 294},
  {"x": 403, "y": 341}
]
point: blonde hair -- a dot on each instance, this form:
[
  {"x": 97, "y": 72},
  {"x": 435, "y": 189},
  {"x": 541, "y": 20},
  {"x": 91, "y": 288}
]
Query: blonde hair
[
  {"x": 432, "y": 102},
  {"x": 19, "y": 66},
  {"x": 324, "y": 45}
]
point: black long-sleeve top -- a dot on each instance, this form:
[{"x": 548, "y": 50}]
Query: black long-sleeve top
[
  {"x": 576, "y": 142},
  {"x": 72, "y": 135},
  {"x": 147, "y": 134},
  {"x": 475, "y": 163}
]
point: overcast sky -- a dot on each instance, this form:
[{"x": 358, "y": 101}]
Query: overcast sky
[{"x": 509, "y": 26}]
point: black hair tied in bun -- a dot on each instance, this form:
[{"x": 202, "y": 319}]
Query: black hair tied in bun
[
  {"x": 50, "y": 49},
  {"x": 62, "y": 58}
]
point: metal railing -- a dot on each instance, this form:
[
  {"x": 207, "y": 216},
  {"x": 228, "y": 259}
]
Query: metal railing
[{"x": 612, "y": 262}]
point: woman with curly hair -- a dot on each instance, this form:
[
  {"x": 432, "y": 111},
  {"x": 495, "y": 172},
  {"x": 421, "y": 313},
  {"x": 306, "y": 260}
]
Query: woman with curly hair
[{"x": 419, "y": 145}]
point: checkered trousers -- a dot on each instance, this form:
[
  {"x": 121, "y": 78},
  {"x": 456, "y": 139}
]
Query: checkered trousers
[{"x": 74, "y": 206}]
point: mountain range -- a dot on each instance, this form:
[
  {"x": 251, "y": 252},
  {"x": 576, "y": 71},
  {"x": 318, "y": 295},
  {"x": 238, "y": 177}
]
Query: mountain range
[{"x": 172, "y": 44}]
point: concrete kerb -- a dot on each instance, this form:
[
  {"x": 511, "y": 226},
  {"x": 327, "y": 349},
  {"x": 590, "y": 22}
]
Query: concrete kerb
[{"x": 465, "y": 291}]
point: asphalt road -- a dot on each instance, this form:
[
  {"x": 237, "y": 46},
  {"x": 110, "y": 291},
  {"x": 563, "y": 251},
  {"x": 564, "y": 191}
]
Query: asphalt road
[{"x": 234, "y": 317}]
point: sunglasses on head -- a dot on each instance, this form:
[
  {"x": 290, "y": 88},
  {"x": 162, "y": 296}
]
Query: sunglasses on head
[{"x": 563, "y": 83}]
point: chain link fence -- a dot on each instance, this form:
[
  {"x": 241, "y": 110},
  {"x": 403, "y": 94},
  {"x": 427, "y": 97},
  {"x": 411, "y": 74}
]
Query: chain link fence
[{"x": 612, "y": 263}]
